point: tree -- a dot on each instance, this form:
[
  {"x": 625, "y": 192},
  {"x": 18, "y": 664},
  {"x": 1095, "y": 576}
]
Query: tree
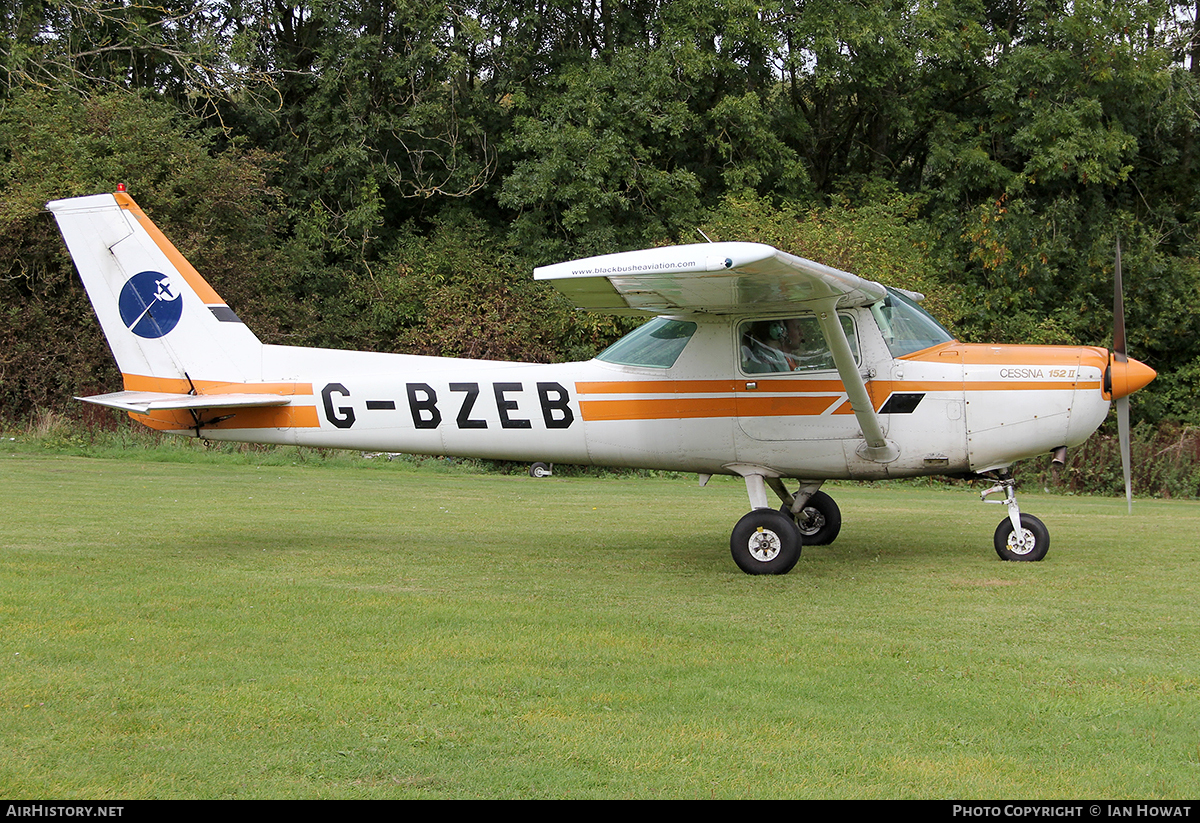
[
  {"x": 1078, "y": 140},
  {"x": 177, "y": 49},
  {"x": 59, "y": 146}
]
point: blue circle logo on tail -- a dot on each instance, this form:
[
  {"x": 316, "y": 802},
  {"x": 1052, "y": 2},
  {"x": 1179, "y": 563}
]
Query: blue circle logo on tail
[{"x": 149, "y": 306}]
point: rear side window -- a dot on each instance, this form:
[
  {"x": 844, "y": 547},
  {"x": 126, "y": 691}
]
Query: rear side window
[{"x": 655, "y": 345}]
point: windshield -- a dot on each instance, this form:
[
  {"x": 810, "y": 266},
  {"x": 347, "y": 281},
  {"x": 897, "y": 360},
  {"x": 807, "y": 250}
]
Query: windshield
[
  {"x": 656, "y": 344},
  {"x": 906, "y": 327}
]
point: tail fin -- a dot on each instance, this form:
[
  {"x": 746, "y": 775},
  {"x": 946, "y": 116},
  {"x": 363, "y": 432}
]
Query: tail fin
[{"x": 166, "y": 326}]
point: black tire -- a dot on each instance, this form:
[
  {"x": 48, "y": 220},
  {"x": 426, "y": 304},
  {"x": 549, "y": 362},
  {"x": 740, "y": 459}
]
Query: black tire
[
  {"x": 765, "y": 542},
  {"x": 1010, "y": 549},
  {"x": 539, "y": 470},
  {"x": 821, "y": 521}
]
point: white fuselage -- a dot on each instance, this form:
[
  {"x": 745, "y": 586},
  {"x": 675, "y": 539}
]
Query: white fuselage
[
  {"x": 763, "y": 375},
  {"x": 950, "y": 409}
]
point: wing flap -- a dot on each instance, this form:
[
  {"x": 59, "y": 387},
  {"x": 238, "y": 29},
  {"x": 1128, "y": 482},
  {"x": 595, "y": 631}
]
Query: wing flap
[{"x": 711, "y": 277}]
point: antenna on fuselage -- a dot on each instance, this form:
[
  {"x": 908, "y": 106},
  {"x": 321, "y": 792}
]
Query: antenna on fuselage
[{"x": 702, "y": 234}]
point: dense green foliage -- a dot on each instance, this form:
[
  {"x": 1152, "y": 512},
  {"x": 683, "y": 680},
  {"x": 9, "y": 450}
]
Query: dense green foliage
[{"x": 385, "y": 173}]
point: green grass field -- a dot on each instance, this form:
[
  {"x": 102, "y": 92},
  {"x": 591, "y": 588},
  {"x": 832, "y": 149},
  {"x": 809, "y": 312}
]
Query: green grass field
[{"x": 221, "y": 630}]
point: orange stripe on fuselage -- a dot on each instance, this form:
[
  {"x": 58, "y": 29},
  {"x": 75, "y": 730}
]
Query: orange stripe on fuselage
[
  {"x": 819, "y": 398},
  {"x": 207, "y": 295},
  {"x": 268, "y": 417},
  {"x": 879, "y": 390},
  {"x": 179, "y": 385},
  {"x": 657, "y": 408},
  {"x": 265, "y": 417},
  {"x": 1044, "y": 385},
  {"x": 982, "y": 354},
  {"x": 657, "y": 387},
  {"x": 704, "y": 407},
  {"x": 798, "y": 384}
]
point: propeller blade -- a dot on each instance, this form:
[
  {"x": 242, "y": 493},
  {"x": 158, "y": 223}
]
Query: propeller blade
[
  {"x": 1120, "y": 355},
  {"x": 1119, "y": 350},
  {"x": 1123, "y": 437}
]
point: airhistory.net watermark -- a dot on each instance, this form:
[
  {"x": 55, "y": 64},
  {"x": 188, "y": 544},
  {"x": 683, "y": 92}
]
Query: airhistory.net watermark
[{"x": 61, "y": 810}]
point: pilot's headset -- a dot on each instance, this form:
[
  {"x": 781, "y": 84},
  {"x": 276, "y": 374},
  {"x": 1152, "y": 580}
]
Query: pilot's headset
[{"x": 776, "y": 330}]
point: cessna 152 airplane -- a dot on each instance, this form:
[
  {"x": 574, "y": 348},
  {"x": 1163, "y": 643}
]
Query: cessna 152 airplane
[{"x": 756, "y": 363}]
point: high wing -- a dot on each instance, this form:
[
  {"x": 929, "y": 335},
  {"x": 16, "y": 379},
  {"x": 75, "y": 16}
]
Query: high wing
[
  {"x": 724, "y": 278},
  {"x": 718, "y": 278}
]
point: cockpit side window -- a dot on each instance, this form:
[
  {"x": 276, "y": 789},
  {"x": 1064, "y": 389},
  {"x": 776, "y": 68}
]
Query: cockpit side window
[
  {"x": 789, "y": 344},
  {"x": 656, "y": 344}
]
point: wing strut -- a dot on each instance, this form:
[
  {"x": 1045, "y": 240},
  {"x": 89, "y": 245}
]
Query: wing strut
[{"x": 876, "y": 448}]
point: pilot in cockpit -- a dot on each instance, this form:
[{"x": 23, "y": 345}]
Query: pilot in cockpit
[
  {"x": 766, "y": 347},
  {"x": 784, "y": 345}
]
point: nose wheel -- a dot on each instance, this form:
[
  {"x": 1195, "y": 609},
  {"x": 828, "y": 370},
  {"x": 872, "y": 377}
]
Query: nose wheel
[
  {"x": 1031, "y": 543},
  {"x": 1019, "y": 536}
]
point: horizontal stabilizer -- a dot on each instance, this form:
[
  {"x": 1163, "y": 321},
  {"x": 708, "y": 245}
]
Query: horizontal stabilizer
[{"x": 144, "y": 402}]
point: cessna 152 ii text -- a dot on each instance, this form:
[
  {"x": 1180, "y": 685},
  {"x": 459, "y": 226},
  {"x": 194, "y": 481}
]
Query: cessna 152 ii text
[{"x": 755, "y": 363}]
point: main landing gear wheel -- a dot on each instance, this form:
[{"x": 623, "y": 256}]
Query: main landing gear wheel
[
  {"x": 765, "y": 542},
  {"x": 539, "y": 470},
  {"x": 1031, "y": 544},
  {"x": 820, "y": 520}
]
